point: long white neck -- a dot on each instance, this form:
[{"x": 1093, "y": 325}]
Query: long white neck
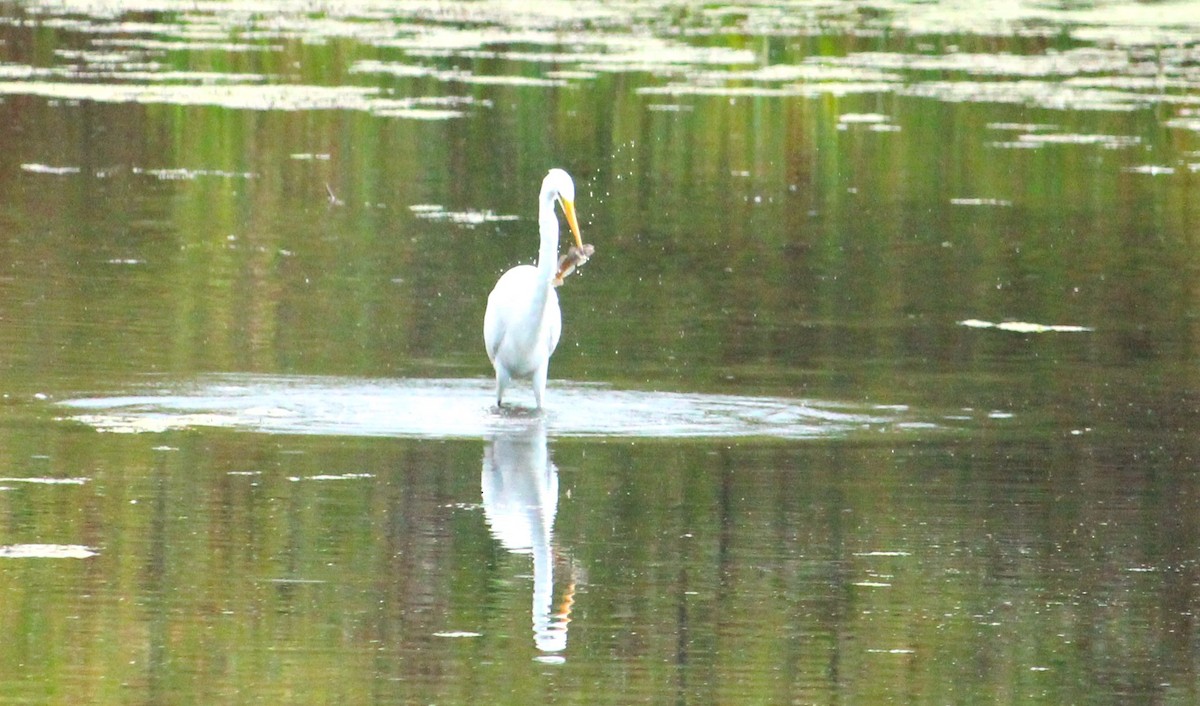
[{"x": 548, "y": 228}]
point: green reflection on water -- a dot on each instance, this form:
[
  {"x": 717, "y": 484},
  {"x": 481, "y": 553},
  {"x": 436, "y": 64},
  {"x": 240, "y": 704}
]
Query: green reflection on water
[{"x": 765, "y": 572}]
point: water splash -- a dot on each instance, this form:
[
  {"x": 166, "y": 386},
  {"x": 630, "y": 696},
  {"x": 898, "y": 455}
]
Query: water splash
[{"x": 429, "y": 408}]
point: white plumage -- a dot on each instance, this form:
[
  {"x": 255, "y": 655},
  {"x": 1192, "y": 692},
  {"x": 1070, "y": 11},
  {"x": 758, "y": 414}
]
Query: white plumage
[{"x": 523, "y": 322}]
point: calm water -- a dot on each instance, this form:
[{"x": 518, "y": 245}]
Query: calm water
[{"x": 882, "y": 387}]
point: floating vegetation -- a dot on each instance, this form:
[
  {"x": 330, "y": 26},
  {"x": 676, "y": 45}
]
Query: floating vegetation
[
  {"x": 1123, "y": 58},
  {"x": 1043, "y": 94},
  {"x": 427, "y": 107},
  {"x": 242, "y": 97},
  {"x": 46, "y": 551},
  {"x": 452, "y": 75},
  {"x": 808, "y": 72},
  {"x": 47, "y": 169},
  {"x": 1108, "y": 141},
  {"x": 593, "y": 52},
  {"x": 470, "y": 219},
  {"x": 283, "y": 97},
  {"x": 1186, "y": 122},
  {"x": 180, "y": 174},
  {"x": 1084, "y": 60},
  {"x": 669, "y": 108},
  {"x": 874, "y": 121},
  {"x": 1036, "y": 140},
  {"x": 872, "y": 118},
  {"x": 163, "y": 46},
  {"x": 1151, "y": 169},
  {"x": 420, "y": 113},
  {"x": 1025, "y": 327},
  {"x": 800, "y": 90},
  {"x": 980, "y": 202},
  {"x": 1021, "y": 127},
  {"x": 1121, "y": 24},
  {"x": 46, "y": 481}
]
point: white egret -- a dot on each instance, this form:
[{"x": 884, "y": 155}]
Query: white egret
[{"x": 523, "y": 322}]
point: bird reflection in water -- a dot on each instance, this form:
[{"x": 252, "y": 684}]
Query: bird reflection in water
[{"x": 520, "y": 500}]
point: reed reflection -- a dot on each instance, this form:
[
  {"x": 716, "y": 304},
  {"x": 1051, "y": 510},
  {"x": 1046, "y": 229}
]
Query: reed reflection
[{"x": 520, "y": 500}]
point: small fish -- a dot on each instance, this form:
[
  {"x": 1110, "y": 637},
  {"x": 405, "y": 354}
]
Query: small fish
[{"x": 573, "y": 258}]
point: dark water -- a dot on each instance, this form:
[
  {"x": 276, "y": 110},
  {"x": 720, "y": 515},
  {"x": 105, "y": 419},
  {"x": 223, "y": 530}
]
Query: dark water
[{"x": 882, "y": 386}]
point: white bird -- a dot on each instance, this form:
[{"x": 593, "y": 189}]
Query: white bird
[{"x": 523, "y": 322}]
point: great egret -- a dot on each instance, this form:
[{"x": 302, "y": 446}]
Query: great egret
[{"x": 522, "y": 323}]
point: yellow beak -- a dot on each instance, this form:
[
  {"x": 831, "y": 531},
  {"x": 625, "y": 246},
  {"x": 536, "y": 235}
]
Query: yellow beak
[{"x": 568, "y": 208}]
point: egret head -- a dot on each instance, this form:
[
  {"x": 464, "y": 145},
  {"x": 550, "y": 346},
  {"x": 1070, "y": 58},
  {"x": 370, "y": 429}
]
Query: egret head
[{"x": 558, "y": 184}]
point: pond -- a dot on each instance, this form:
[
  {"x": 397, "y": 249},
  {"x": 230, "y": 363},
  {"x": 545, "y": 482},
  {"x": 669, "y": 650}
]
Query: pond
[{"x": 883, "y": 384}]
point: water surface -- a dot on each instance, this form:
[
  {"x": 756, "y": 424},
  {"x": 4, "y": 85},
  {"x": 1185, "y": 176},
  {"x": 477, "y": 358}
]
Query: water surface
[{"x": 881, "y": 387}]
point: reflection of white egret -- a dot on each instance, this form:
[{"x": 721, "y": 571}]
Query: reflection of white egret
[
  {"x": 520, "y": 500},
  {"x": 522, "y": 323}
]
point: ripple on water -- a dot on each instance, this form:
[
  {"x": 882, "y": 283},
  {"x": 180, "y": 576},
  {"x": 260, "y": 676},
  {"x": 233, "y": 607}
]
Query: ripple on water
[{"x": 464, "y": 409}]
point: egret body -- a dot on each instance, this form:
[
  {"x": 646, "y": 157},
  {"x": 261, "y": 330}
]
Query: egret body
[{"x": 523, "y": 321}]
